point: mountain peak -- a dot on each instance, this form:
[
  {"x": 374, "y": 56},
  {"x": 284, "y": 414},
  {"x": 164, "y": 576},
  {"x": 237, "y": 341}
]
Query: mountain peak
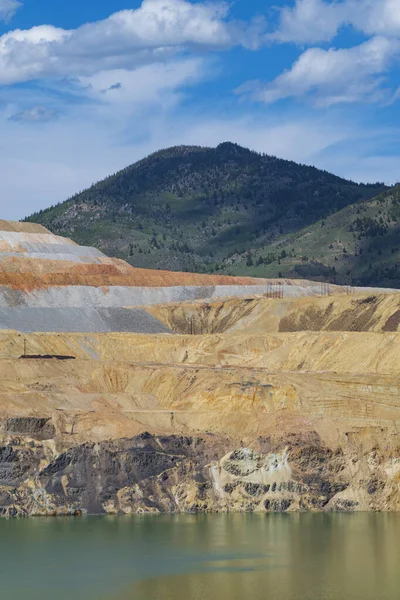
[
  {"x": 233, "y": 149},
  {"x": 226, "y": 209}
]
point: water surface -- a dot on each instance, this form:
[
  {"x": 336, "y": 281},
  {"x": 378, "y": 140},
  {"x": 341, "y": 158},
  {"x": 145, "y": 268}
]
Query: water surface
[{"x": 217, "y": 557}]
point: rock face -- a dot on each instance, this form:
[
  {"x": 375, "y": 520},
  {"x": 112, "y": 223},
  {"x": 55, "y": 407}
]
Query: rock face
[
  {"x": 372, "y": 311},
  {"x": 195, "y": 474},
  {"x": 250, "y": 403}
]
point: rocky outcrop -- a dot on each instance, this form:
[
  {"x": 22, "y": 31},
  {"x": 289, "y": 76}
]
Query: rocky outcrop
[{"x": 194, "y": 474}]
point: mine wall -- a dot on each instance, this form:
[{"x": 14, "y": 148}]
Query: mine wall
[{"x": 127, "y": 390}]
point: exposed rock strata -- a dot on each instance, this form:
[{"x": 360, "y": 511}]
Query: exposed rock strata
[
  {"x": 244, "y": 404},
  {"x": 194, "y": 474},
  {"x": 362, "y": 312}
]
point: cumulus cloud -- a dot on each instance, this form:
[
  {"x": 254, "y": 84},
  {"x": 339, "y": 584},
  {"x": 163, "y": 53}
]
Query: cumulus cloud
[
  {"x": 157, "y": 30},
  {"x": 333, "y": 76},
  {"x": 336, "y": 75},
  {"x": 312, "y": 21},
  {"x": 8, "y": 8}
]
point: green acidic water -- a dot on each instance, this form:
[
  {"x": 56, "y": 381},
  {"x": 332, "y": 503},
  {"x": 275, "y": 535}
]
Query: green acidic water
[{"x": 221, "y": 557}]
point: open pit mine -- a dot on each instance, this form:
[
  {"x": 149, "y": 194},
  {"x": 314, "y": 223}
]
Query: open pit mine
[{"x": 126, "y": 391}]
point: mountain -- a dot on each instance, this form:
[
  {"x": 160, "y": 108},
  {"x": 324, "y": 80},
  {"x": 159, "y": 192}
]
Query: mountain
[
  {"x": 224, "y": 209},
  {"x": 359, "y": 245}
]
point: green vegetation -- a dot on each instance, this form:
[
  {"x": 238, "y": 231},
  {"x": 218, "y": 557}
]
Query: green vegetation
[
  {"x": 358, "y": 245},
  {"x": 230, "y": 210}
]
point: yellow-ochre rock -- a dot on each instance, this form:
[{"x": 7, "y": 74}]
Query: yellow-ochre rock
[{"x": 248, "y": 403}]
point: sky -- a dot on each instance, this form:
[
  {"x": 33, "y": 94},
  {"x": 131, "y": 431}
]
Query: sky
[{"x": 87, "y": 88}]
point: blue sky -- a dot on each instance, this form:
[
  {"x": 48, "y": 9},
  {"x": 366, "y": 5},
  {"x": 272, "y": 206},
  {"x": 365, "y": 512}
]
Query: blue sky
[{"x": 89, "y": 87}]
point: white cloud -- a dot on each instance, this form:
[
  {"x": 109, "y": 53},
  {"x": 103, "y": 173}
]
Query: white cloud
[
  {"x": 336, "y": 76},
  {"x": 312, "y": 21},
  {"x": 8, "y": 8},
  {"x": 158, "y": 29},
  {"x": 26, "y": 55},
  {"x": 344, "y": 75},
  {"x": 380, "y": 17},
  {"x": 158, "y": 83}
]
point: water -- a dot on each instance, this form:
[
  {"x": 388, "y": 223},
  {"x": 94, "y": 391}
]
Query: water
[{"x": 221, "y": 557}]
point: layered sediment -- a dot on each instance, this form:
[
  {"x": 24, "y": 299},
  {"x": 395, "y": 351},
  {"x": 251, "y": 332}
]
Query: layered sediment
[
  {"x": 361, "y": 310},
  {"x": 177, "y": 392}
]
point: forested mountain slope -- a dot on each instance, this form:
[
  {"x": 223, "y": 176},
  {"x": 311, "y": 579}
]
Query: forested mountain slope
[
  {"x": 358, "y": 245},
  {"x": 209, "y": 210}
]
